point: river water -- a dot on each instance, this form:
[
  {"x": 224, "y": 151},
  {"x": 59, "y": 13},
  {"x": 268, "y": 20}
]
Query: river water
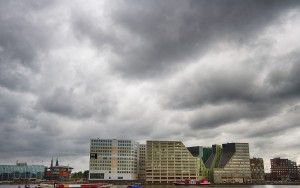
[{"x": 173, "y": 186}]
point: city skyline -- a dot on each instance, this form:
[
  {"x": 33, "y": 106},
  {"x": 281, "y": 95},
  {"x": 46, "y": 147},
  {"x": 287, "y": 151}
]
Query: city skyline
[{"x": 201, "y": 72}]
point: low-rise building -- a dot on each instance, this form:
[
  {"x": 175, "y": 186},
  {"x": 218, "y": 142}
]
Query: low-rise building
[
  {"x": 58, "y": 172},
  {"x": 283, "y": 170},
  {"x": 21, "y": 171},
  {"x": 257, "y": 170}
]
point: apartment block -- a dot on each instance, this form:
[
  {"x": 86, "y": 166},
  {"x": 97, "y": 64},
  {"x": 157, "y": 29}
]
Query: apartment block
[
  {"x": 169, "y": 161},
  {"x": 283, "y": 170},
  {"x": 112, "y": 159}
]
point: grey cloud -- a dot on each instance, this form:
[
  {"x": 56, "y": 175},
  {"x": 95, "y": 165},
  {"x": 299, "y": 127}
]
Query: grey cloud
[
  {"x": 65, "y": 102},
  {"x": 284, "y": 82},
  {"x": 288, "y": 121},
  {"x": 216, "y": 116},
  {"x": 10, "y": 106},
  {"x": 215, "y": 87},
  {"x": 22, "y": 40},
  {"x": 257, "y": 93},
  {"x": 60, "y": 102},
  {"x": 57, "y": 90},
  {"x": 163, "y": 34}
]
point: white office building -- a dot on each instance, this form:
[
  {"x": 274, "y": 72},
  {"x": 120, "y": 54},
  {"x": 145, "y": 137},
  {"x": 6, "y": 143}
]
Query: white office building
[{"x": 112, "y": 159}]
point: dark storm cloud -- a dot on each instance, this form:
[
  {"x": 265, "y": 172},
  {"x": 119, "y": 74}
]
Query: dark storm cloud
[
  {"x": 284, "y": 81},
  {"x": 220, "y": 115},
  {"x": 164, "y": 33},
  {"x": 254, "y": 93}
]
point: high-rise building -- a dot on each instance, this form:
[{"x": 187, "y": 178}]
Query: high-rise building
[
  {"x": 283, "y": 170},
  {"x": 257, "y": 170},
  {"x": 142, "y": 163},
  {"x": 169, "y": 161},
  {"x": 234, "y": 165},
  {"x": 112, "y": 159}
]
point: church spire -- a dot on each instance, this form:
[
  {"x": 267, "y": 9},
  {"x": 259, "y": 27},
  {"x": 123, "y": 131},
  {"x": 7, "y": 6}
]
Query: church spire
[
  {"x": 51, "y": 162},
  {"x": 56, "y": 162}
]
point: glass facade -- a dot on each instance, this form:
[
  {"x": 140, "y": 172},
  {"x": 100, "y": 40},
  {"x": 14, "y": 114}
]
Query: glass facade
[
  {"x": 209, "y": 159},
  {"x": 21, "y": 171}
]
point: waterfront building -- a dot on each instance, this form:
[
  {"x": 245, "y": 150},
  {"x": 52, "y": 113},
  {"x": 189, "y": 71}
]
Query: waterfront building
[
  {"x": 257, "y": 170},
  {"x": 21, "y": 171},
  {"x": 112, "y": 159},
  {"x": 142, "y": 163},
  {"x": 209, "y": 159},
  {"x": 268, "y": 177},
  {"x": 169, "y": 161},
  {"x": 283, "y": 170},
  {"x": 58, "y": 172},
  {"x": 298, "y": 168},
  {"x": 234, "y": 164}
]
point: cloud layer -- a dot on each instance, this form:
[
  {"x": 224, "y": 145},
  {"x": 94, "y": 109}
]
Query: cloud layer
[{"x": 203, "y": 72}]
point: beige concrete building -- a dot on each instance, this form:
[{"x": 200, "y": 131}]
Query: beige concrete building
[
  {"x": 169, "y": 161},
  {"x": 234, "y": 165},
  {"x": 142, "y": 162}
]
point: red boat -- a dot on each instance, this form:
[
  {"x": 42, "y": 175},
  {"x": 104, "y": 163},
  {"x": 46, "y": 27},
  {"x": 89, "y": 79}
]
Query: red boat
[
  {"x": 193, "y": 182},
  {"x": 204, "y": 182},
  {"x": 85, "y": 185}
]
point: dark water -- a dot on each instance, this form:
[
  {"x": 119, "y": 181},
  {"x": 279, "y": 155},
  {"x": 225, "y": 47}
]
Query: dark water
[{"x": 173, "y": 186}]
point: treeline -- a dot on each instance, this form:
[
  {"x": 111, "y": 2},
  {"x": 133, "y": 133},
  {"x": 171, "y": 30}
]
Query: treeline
[{"x": 80, "y": 175}]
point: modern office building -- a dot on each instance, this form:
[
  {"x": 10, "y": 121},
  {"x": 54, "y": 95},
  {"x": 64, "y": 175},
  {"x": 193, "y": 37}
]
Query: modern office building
[
  {"x": 283, "y": 170},
  {"x": 142, "y": 163},
  {"x": 209, "y": 159},
  {"x": 169, "y": 161},
  {"x": 21, "y": 171},
  {"x": 112, "y": 159},
  {"x": 234, "y": 165},
  {"x": 257, "y": 170},
  {"x": 58, "y": 172},
  {"x": 199, "y": 152}
]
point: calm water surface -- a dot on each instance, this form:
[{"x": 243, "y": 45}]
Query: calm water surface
[{"x": 173, "y": 186}]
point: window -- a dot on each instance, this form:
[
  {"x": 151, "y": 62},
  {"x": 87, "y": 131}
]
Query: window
[{"x": 96, "y": 175}]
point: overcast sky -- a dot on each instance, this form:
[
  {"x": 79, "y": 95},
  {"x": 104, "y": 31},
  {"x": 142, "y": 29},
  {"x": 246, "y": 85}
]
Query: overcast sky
[{"x": 203, "y": 72}]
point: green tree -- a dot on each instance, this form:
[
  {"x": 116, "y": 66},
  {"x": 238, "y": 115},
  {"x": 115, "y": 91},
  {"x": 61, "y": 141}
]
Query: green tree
[{"x": 86, "y": 174}]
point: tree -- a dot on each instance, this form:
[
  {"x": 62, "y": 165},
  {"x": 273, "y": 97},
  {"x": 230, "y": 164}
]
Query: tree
[{"x": 86, "y": 174}]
